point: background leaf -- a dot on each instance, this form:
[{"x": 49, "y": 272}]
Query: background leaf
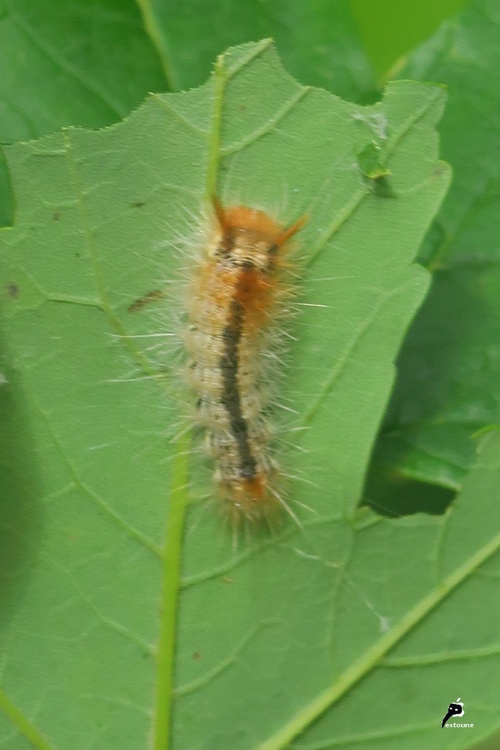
[
  {"x": 72, "y": 63},
  {"x": 391, "y": 29},
  {"x": 449, "y": 368},
  {"x": 98, "y": 218},
  {"x": 317, "y": 40}
]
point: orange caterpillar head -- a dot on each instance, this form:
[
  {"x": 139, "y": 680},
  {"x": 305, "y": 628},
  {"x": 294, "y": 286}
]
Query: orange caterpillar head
[{"x": 250, "y": 236}]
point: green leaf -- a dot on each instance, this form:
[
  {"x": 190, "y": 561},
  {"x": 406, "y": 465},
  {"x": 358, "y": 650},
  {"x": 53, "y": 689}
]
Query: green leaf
[
  {"x": 317, "y": 40},
  {"x": 266, "y": 637},
  {"x": 70, "y": 63},
  {"x": 449, "y": 368}
]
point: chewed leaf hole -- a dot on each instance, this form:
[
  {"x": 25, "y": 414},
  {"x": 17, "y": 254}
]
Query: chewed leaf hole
[{"x": 392, "y": 495}]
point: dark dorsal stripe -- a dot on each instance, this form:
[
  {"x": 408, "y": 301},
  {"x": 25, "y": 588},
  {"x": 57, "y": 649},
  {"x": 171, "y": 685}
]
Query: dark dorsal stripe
[{"x": 231, "y": 398}]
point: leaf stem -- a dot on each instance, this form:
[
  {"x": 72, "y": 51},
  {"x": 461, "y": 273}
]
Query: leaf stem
[
  {"x": 169, "y": 597},
  {"x": 20, "y": 721},
  {"x": 178, "y": 502},
  {"x": 215, "y": 128},
  {"x": 154, "y": 31}
]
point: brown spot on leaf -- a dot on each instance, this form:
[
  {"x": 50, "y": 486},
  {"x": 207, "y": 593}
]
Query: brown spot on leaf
[
  {"x": 156, "y": 294},
  {"x": 12, "y": 291}
]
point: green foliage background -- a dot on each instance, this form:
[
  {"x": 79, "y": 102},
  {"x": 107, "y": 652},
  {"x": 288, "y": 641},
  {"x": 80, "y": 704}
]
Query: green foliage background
[{"x": 388, "y": 594}]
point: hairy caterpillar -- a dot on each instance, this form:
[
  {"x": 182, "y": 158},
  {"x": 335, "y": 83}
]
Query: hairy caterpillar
[{"x": 236, "y": 300}]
